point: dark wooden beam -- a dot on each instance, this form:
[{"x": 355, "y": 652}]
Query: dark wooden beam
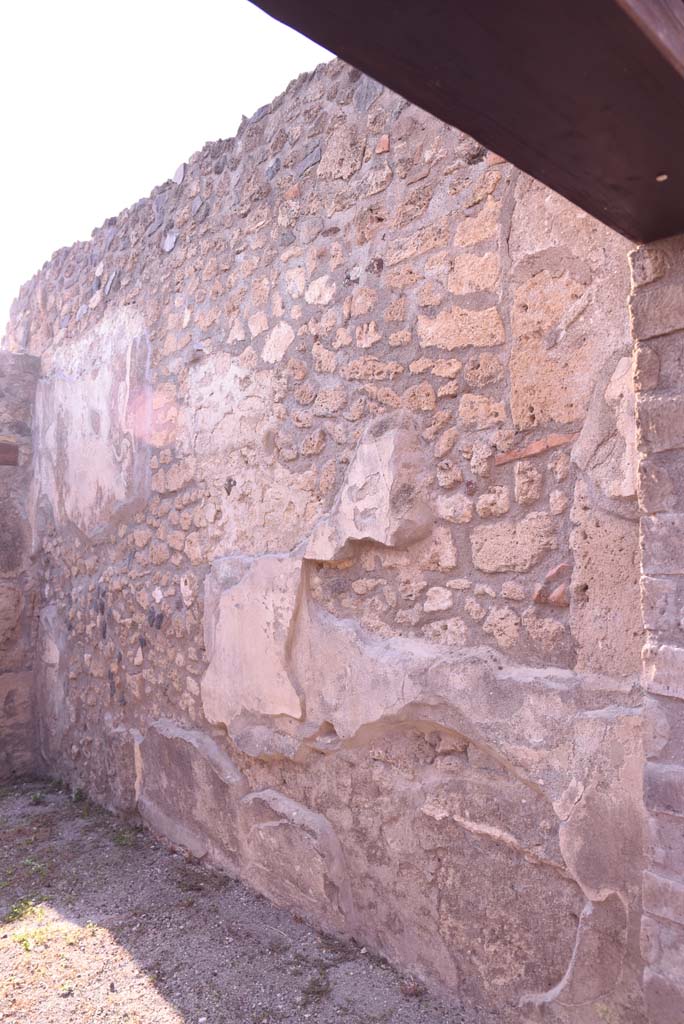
[
  {"x": 585, "y": 95},
  {"x": 9, "y": 453}
]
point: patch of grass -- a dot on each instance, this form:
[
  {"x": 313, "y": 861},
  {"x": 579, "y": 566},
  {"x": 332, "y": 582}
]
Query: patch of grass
[
  {"x": 86, "y": 810},
  {"x": 21, "y": 909},
  {"x": 8, "y": 877},
  {"x": 125, "y": 836},
  {"x": 35, "y": 867},
  {"x": 37, "y": 798},
  {"x": 29, "y": 938},
  {"x": 338, "y": 947},
  {"x": 316, "y": 987}
]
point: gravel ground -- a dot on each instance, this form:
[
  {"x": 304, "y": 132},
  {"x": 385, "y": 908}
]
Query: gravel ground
[{"x": 100, "y": 923}]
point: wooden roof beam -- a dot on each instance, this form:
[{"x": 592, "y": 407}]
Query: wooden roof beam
[{"x": 585, "y": 95}]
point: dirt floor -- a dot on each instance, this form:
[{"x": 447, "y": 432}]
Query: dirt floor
[{"x": 101, "y": 923}]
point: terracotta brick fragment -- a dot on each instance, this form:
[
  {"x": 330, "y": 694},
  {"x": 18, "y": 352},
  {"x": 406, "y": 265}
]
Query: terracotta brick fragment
[{"x": 536, "y": 448}]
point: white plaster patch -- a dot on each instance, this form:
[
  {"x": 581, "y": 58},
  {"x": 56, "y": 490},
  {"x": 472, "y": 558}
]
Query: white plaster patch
[
  {"x": 277, "y": 343},
  {"x": 226, "y": 422},
  {"x": 93, "y": 415},
  {"x": 246, "y": 634}
]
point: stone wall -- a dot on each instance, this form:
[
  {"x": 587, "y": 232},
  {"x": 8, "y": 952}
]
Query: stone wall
[
  {"x": 18, "y": 378},
  {"x": 336, "y": 499},
  {"x": 658, "y": 321}
]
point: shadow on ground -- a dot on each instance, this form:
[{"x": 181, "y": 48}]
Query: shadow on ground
[{"x": 100, "y": 923}]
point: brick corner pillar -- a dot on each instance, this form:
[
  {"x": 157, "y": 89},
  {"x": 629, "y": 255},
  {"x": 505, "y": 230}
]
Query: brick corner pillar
[{"x": 657, "y": 310}]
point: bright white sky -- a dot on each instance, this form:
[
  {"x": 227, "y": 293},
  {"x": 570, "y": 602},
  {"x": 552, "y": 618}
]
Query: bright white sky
[{"x": 103, "y": 101}]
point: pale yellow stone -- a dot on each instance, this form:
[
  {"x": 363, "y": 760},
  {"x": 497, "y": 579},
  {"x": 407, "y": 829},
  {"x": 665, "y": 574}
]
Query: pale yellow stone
[
  {"x": 295, "y": 279},
  {"x": 447, "y": 367},
  {"x": 420, "y": 365},
  {"x": 400, "y": 338},
  {"x": 194, "y": 548},
  {"x": 420, "y": 397},
  {"x": 474, "y": 609},
  {"x": 343, "y": 154},
  {"x": 277, "y": 343},
  {"x": 459, "y": 328},
  {"x": 479, "y": 411},
  {"x": 371, "y": 368},
  {"x": 459, "y": 584},
  {"x": 430, "y": 294},
  {"x": 548, "y": 633},
  {"x": 473, "y": 273},
  {"x": 158, "y": 552},
  {"x": 325, "y": 361},
  {"x": 513, "y": 546},
  {"x": 528, "y": 482},
  {"x": 343, "y": 338},
  {"x": 558, "y": 502},
  {"x": 449, "y": 632},
  {"x": 363, "y": 587},
  {"x": 257, "y": 324},
  {"x": 481, "y": 227},
  {"x": 457, "y": 508},
  {"x": 438, "y": 599},
  {"x": 363, "y": 300},
  {"x": 446, "y": 442},
  {"x": 321, "y": 291},
  {"x": 512, "y": 591},
  {"x": 554, "y": 358},
  {"x": 496, "y": 502},
  {"x": 383, "y": 496},
  {"x": 503, "y": 625},
  {"x": 367, "y": 335}
]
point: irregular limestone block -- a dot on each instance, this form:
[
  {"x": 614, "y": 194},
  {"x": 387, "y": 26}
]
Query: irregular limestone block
[
  {"x": 513, "y": 546},
  {"x": 530, "y": 907},
  {"x": 597, "y": 960},
  {"x": 292, "y": 855},
  {"x": 664, "y": 897},
  {"x": 604, "y": 799},
  {"x": 188, "y": 790},
  {"x": 662, "y": 544},
  {"x": 606, "y": 448},
  {"x": 665, "y": 844},
  {"x": 10, "y": 610},
  {"x": 342, "y": 156},
  {"x": 605, "y": 617},
  {"x": 551, "y": 379},
  {"x": 664, "y": 788},
  {"x": 461, "y": 328},
  {"x": 661, "y": 422},
  {"x": 52, "y": 708},
  {"x": 664, "y": 997},
  {"x": 14, "y": 537},
  {"x": 383, "y": 494},
  {"x": 657, "y": 310},
  {"x": 657, "y": 483},
  {"x": 17, "y": 746},
  {"x": 664, "y": 670},
  {"x": 495, "y": 805},
  {"x": 249, "y": 607},
  {"x": 662, "y": 946},
  {"x": 114, "y": 778}
]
